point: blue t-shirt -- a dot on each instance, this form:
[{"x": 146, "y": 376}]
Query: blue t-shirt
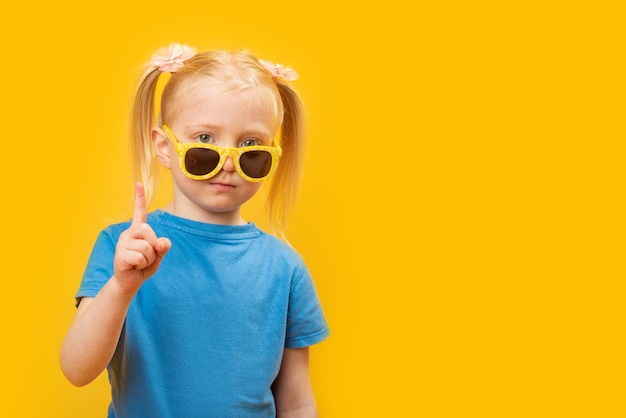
[{"x": 204, "y": 336}]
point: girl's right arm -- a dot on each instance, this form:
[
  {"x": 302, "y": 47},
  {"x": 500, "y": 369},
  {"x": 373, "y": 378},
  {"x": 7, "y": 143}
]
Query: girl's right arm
[
  {"x": 91, "y": 340},
  {"x": 93, "y": 336}
]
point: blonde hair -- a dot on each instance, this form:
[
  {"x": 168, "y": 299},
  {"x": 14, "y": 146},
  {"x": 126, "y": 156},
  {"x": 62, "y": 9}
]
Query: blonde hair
[{"x": 235, "y": 69}]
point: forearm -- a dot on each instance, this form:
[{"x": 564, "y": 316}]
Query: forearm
[
  {"x": 93, "y": 336},
  {"x": 305, "y": 411}
]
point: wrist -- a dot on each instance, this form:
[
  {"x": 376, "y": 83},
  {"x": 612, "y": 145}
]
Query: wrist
[{"x": 122, "y": 289}]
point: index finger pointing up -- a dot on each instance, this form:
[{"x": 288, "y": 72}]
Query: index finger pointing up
[{"x": 139, "y": 214}]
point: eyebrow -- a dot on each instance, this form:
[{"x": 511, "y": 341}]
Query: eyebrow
[{"x": 260, "y": 134}]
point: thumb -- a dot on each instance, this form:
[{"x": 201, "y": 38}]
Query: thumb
[{"x": 162, "y": 246}]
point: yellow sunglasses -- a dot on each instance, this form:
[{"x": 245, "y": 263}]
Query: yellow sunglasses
[{"x": 202, "y": 161}]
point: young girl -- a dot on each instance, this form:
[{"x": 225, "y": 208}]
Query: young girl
[{"x": 193, "y": 311}]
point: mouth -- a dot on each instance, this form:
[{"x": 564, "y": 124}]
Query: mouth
[{"x": 222, "y": 187}]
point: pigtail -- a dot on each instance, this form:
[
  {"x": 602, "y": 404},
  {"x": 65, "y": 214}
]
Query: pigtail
[
  {"x": 145, "y": 163},
  {"x": 284, "y": 188}
]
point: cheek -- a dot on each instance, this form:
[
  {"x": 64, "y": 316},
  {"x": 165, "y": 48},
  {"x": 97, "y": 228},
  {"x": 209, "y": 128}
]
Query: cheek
[
  {"x": 175, "y": 170},
  {"x": 245, "y": 192},
  {"x": 249, "y": 189}
]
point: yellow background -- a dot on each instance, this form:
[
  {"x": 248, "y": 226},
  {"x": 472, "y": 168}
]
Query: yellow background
[{"x": 461, "y": 210}]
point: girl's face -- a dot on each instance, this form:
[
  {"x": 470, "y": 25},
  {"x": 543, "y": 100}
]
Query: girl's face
[{"x": 232, "y": 118}]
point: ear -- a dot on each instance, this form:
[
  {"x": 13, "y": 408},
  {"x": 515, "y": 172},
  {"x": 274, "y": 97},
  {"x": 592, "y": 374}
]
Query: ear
[{"x": 161, "y": 145}]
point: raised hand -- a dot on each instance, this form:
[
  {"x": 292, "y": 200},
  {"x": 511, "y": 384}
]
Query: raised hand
[{"x": 139, "y": 252}]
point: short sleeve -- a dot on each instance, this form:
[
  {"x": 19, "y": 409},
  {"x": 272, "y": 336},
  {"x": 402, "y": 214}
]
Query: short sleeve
[
  {"x": 100, "y": 265},
  {"x": 306, "y": 323}
]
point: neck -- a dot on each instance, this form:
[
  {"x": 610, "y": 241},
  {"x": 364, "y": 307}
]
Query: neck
[{"x": 232, "y": 217}]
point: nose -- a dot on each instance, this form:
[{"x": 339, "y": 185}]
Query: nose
[{"x": 229, "y": 165}]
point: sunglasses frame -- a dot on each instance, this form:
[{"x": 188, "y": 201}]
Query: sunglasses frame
[{"x": 224, "y": 152}]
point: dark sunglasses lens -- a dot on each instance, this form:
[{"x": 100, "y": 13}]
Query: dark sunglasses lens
[
  {"x": 256, "y": 164},
  {"x": 201, "y": 161}
]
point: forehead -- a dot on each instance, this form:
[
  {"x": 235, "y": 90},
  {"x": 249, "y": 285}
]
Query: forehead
[{"x": 217, "y": 103}]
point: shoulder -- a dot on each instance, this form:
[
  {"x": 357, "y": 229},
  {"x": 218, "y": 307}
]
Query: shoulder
[
  {"x": 112, "y": 232},
  {"x": 281, "y": 249}
]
